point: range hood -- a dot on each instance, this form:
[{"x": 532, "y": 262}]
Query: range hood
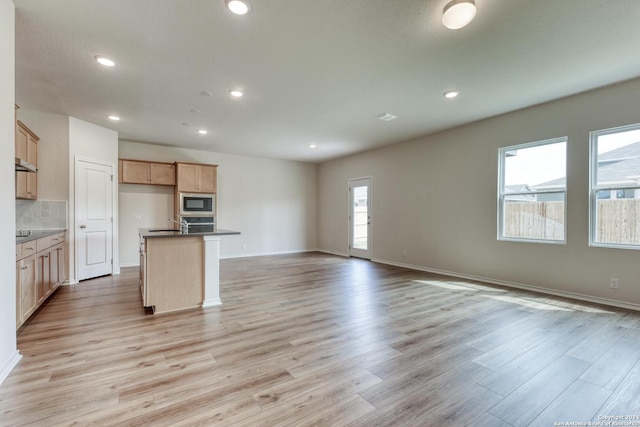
[{"x": 24, "y": 166}]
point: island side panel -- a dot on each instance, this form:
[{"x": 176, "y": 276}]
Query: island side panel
[{"x": 175, "y": 273}]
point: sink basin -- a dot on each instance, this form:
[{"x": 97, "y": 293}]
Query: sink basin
[{"x": 167, "y": 230}]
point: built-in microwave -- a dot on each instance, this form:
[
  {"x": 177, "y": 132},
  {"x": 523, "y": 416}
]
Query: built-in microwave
[{"x": 197, "y": 204}]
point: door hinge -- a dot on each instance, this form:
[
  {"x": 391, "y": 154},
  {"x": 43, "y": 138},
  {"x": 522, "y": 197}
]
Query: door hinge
[
  {"x": 111, "y": 261},
  {"x": 111, "y": 178},
  {"x": 111, "y": 220}
]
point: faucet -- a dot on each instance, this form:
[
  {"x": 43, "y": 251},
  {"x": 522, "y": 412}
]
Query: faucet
[{"x": 184, "y": 225}]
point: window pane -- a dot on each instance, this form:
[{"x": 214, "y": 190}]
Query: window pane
[
  {"x": 618, "y": 159},
  {"x": 536, "y": 217},
  {"x": 541, "y": 167},
  {"x": 618, "y": 219}
]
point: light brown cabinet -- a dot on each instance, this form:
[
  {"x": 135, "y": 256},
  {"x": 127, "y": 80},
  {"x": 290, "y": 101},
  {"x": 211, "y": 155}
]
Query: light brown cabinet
[
  {"x": 172, "y": 273},
  {"x": 196, "y": 178},
  {"x": 40, "y": 270},
  {"x": 27, "y": 150},
  {"x": 143, "y": 172}
]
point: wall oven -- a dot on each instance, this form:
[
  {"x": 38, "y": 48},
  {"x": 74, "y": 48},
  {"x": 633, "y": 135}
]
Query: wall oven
[
  {"x": 200, "y": 224},
  {"x": 197, "y": 204}
]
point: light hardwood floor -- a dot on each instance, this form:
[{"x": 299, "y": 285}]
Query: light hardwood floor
[{"x": 315, "y": 339}]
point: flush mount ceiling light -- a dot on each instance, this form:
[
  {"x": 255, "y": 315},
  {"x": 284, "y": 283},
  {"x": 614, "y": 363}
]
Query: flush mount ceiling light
[
  {"x": 114, "y": 118},
  {"x": 238, "y": 7},
  {"x": 103, "y": 60},
  {"x": 451, "y": 94},
  {"x": 236, "y": 93},
  {"x": 202, "y": 131},
  {"x": 458, "y": 13},
  {"x": 386, "y": 117}
]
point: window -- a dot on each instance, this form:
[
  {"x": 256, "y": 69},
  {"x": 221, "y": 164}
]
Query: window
[
  {"x": 614, "y": 213},
  {"x": 532, "y": 191}
]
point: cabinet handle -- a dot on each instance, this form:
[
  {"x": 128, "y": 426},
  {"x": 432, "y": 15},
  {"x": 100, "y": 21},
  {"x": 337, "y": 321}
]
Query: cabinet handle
[
  {"x": 45, "y": 256},
  {"x": 24, "y": 268},
  {"x": 83, "y": 226},
  {"x": 29, "y": 249}
]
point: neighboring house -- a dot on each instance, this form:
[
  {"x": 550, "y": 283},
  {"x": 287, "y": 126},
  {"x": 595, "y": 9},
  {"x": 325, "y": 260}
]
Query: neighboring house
[{"x": 615, "y": 167}]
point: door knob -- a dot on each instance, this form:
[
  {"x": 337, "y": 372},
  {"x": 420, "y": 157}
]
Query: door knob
[{"x": 83, "y": 226}]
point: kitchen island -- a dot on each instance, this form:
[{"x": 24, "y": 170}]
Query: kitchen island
[{"x": 180, "y": 270}]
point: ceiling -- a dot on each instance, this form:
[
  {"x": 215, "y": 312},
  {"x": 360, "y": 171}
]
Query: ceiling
[{"x": 312, "y": 71}]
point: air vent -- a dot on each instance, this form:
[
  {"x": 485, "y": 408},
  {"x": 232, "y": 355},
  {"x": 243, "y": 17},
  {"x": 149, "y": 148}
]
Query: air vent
[{"x": 386, "y": 117}]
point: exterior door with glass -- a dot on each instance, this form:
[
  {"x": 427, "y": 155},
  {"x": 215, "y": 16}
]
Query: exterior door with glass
[{"x": 360, "y": 218}]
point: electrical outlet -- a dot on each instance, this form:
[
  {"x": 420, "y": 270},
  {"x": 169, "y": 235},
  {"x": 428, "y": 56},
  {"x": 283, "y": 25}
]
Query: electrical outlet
[{"x": 613, "y": 283}]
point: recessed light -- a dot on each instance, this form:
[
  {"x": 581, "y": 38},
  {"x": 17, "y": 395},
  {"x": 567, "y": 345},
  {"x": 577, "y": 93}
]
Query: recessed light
[
  {"x": 114, "y": 118},
  {"x": 202, "y": 131},
  {"x": 313, "y": 146},
  {"x": 206, "y": 93},
  {"x": 386, "y": 117},
  {"x": 238, "y": 7},
  {"x": 194, "y": 111},
  {"x": 186, "y": 124},
  {"x": 451, "y": 94},
  {"x": 236, "y": 93},
  {"x": 103, "y": 60}
]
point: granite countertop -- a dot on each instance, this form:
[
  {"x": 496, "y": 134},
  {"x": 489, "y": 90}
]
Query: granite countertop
[
  {"x": 168, "y": 232},
  {"x": 37, "y": 234}
]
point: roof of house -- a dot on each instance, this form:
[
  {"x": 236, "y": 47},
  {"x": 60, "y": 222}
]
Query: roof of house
[{"x": 614, "y": 166}]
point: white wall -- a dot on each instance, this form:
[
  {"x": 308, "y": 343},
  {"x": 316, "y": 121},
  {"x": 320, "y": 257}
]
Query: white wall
[
  {"x": 9, "y": 355},
  {"x": 435, "y": 198},
  {"x": 271, "y": 202},
  {"x": 91, "y": 142}
]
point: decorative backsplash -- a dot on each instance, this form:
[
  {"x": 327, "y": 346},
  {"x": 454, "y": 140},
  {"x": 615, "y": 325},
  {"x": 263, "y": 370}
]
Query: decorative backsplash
[{"x": 41, "y": 214}]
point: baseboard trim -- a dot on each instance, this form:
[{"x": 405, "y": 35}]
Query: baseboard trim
[
  {"x": 130, "y": 264},
  {"x": 342, "y": 254},
  {"x": 538, "y": 289},
  {"x": 249, "y": 255},
  {"x": 9, "y": 365}
]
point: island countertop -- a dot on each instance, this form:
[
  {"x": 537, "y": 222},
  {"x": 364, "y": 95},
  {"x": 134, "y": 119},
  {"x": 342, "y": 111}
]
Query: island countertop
[{"x": 146, "y": 233}]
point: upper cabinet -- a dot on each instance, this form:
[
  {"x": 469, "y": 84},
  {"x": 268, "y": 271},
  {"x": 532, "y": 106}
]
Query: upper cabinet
[
  {"x": 196, "y": 178},
  {"x": 143, "y": 172},
  {"x": 26, "y": 151}
]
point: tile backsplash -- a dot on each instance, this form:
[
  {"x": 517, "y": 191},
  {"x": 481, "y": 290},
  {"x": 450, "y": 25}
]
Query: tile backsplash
[{"x": 41, "y": 214}]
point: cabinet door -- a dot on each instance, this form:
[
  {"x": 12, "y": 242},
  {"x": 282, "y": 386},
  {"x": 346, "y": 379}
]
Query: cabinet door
[
  {"x": 21, "y": 185},
  {"x": 28, "y": 292},
  {"x": 32, "y": 185},
  {"x": 135, "y": 172},
  {"x": 43, "y": 276},
  {"x": 18, "y": 295},
  {"x": 187, "y": 178},
  {"x": 207, "y": 179},
  {"x": 163, "y": 174},
  {"x": 21, "y": 142},
  {"x": 54, "y": 277},
  {"x": 62, "y": 256},
  {"x": 32, "y": 151}
]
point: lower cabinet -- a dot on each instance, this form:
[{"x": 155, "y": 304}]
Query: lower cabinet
[
  {"x": 38, "y": 275},
  {"x": 26, "y": 292}
]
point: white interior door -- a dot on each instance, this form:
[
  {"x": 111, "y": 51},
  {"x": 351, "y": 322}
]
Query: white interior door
[
  {"x": 94, "y": 219},
  {"x": 360, "y": 217}
]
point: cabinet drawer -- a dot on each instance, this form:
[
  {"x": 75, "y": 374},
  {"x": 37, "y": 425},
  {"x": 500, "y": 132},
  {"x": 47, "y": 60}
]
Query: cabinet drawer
[
  {"x": 43, "y": 243},
  {"x": 18, "y": 251},
  {"x": 58, "y": 238},
  {"x": 28, "y": 249}
]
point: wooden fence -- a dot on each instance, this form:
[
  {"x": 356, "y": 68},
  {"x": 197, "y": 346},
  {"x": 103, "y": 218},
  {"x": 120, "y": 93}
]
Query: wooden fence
[{"x": 544, "y": 220}]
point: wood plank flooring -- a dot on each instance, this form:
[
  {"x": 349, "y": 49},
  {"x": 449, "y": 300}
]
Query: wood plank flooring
[{"x": 319, "y": 340}]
